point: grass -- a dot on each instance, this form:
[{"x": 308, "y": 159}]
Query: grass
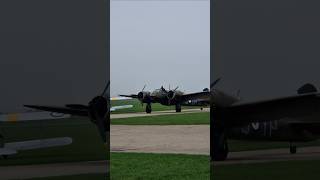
[
  {"x": 133, "y": 166},
  {"x": 137, "y": 107},
  {"x": 140, "y": 166},
  {"x": 173, "y": 119},
  {"x": 87, "y": 144},
  {"x": 291, "y": 170}
]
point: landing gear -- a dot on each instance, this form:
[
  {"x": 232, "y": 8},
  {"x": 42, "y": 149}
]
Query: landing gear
[
  {"x": 222, "y": 153},
  {"x": 220, "y": 147},
  {"x": 178, "y": 107},
  {"x": 5, "y": 156},
  {"x": 293, "y": 148},
  {"x": 148, "y": 108}
]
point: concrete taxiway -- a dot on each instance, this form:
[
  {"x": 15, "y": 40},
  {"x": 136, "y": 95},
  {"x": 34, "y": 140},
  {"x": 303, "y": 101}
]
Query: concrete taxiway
[
  {"x": 50, "y": 170},
  {"x": 271, "y": 155},
  {"x": 194, "y": 139},
  {"x": 184, "y": 139},
  {"x": 157, "y": 113}
]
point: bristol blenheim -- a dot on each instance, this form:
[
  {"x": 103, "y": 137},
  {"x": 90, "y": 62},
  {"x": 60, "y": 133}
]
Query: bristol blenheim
[
  {"x": 98, "y": 110},
  {"x": 171, "y": 98},
  {"x": 290, "y": 119}
]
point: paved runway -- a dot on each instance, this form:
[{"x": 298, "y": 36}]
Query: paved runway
[
  {"x": 185, "y": 139},
  {"x": 194, "y": 139},
  {"x": 271, "y": 155},
  {"x": 157, "y": 113},
  {"x": 46, "y": 170}
]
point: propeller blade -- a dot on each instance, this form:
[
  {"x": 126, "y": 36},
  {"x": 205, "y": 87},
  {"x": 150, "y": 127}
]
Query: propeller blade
[
  {"x": 163, "y": 89},
  {"x": 176, "y": 88},
  {"x": 105, "y": 90},
  {"x": 215, "y": 82},
  {"x": 144, "y": 87},
  {"x": 102, "y": 126}
]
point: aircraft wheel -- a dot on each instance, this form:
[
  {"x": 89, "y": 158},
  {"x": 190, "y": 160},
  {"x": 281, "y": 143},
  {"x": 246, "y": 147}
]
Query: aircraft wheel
[
  {"x": 5, "y": 156},
  {"x": 148, "y": 108},
  {"x": 222, "y": 154},
  {"x": 293, "y": 149},
  {"x": 178, "y": 107},
  {"x": 201, "y": 108}
]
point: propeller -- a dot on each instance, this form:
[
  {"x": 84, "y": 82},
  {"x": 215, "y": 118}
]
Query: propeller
[
  {"x": 215, "y": 83},
  {"x": 141, "y": 95},
  {"x": 144, "y": 87},
  {"x": 163, "y": 89},
  {"x": 171, "y": 94},
  {"x": 98, "y": 112},
  {"x": 104, "y": 92},
  {"x": 98, "y": 109}
]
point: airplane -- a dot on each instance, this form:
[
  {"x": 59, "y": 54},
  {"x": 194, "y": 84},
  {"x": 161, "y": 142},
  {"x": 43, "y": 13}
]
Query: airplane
[
  {"x": 171, "y": 97},
  {"x": 289, "y": 119},
  {"x": 98, "y": 111}
]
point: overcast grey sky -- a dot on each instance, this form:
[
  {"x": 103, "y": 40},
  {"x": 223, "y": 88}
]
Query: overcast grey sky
[
  {"x": 266, "y": 48},
  {"x": 159, "y": 43}
]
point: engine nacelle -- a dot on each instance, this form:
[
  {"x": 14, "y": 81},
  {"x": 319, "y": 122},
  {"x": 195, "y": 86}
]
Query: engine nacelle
[
  {"x": 98, "y": 107},
  {"x": 171, "y": 95},
  {"x": 144, "y": 96}
]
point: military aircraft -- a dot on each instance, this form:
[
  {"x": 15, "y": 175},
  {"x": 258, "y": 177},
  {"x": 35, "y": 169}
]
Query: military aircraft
[
  {"x": 171, "y": 97},
  {"x": 290, "y": 119},
  {"x": 98, "y": 110}
]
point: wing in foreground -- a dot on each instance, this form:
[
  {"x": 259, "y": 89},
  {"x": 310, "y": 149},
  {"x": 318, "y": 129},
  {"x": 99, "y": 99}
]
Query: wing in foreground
[
  {"x": 199, "y": 96},
  {"x": 288, "y": 107},
  {"x": 64, "y": 110}
]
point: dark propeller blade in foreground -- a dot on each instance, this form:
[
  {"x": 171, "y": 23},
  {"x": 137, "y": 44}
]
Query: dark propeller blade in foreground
[{"x": 215, "y": 82}]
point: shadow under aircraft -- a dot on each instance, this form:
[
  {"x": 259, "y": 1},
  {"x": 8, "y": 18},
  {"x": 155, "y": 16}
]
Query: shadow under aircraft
[
  {"x": 171, "y": 97},
  {"x": 290, "y": 119}
]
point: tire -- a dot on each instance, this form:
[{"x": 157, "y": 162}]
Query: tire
[
  {"x": 222, "y": 154},
  {"x": 178, "y": 107},
  {"x": 293, "y": 149},
  {"x": 148, "y": 108}
]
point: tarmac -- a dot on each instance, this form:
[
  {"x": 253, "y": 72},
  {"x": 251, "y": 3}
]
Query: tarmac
[
  {"x": 271, "y": 155},
  {"x": 177, "y": 139},
  {"x": 157, "y": 113},
  {"x": 51, "y": 170}
]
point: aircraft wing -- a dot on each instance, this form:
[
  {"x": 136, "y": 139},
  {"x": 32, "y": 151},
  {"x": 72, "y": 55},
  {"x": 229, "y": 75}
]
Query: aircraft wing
[
  {"x": 274, "y": 109},
  {"x": 37, "y": 144},
  {"x": 69, "y": 109},
  {"x": 199, "y": 96},
  {"x": 119, "y": 98},
  {"x": 13, "y": 147},
  {"x": 129, "y": 96},
  {"x": 114, "y": 108},
  {"x": 7, "y": 152}
]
